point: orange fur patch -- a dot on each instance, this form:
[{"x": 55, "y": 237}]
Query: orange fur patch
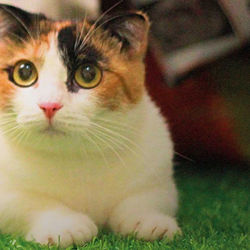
[
  {"x": 123, "y": 83},
  {"x": 122, "y": 86}
]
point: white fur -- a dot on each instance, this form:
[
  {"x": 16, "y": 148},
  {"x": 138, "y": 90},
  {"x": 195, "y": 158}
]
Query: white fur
[{"x": 87, "y": 173}]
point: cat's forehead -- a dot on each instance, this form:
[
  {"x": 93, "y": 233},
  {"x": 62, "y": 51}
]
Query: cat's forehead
[
  {"x": 76, "y": 41},
  {"x": 80, "y": 41}
]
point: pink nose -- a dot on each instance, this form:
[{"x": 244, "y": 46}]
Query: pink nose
[{"x": 50, "y": 109}]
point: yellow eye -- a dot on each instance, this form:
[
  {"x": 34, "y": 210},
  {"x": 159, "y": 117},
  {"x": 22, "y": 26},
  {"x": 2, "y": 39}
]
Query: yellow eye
[
  {"x": 25, "y": 74},
  {"x": 88, "y": 76}
]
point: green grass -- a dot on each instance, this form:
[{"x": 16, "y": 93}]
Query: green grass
[{"x": 213, "y": 214}]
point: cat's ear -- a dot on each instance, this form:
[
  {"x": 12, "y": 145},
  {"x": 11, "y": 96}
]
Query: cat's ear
[
  {"x": 16, "y": 21},
  {"x": 132, "y": 31}
]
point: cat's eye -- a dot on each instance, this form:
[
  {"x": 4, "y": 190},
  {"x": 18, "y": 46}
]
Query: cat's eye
[
  {"x": 25, "y": 74},
  {"x": 88, "y": 76}
]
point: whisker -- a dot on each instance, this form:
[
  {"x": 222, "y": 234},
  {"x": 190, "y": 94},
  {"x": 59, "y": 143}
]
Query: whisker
[
  {"x": 108, "y": 137},
  {"x": 87, "y": 39},
  {"x": 98, "y": 19},
  {"x": 117, "y": 134},
  {"x": 7, "y": 124},
  {"x": 112, "y": 149},
  {"x": 10, "y": 130},
  {"x": 78, "y": 40},
  {"x": 20, "y": 137},
  {"x": 118, "y": 124},
  {"x": 120, "y": 145},
  {"x": 184, "y": 157},
  {"x": 123, "y": 125},
  {"x": 26, "y": 136},
  {"x": 111, "y": 133},
  {"x": 97, "y": 146},
  {"x": 13, "y": 133}
]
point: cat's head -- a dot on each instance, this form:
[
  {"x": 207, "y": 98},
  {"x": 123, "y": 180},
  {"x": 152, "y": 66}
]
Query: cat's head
[{"x": 59, "y": 78}]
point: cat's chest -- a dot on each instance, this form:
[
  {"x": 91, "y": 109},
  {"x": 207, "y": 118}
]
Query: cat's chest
[
  {"x": 75, "y": 174},
  {"x": 77, "y": 182},
  {"x": 94, "y": 192}
]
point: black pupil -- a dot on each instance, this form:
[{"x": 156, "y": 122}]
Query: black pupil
[
  {"x": 25, "y": 71},
  {"x": 88, "y": 73}
]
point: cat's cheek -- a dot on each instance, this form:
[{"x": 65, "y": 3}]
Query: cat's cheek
[
  {"x": 84, "y": 103},
  {"x": 116, "y": 93},
  {"x": 7, "y": 91}
]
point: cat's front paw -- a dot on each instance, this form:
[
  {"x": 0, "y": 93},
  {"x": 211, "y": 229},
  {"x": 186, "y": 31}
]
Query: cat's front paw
[
  {"x": 148, "y": 226},
  {"x": 62, "y": 228}
]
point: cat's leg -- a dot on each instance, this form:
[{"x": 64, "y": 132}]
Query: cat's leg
[
  {"x": 43, "y": 220},
  {"x": 150, "y": 215}
]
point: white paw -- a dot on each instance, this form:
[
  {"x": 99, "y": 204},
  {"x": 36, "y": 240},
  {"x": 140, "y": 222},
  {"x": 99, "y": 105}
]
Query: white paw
[
  {"x": 148, "y": 226},
  {"x": 63, "y": 228}
]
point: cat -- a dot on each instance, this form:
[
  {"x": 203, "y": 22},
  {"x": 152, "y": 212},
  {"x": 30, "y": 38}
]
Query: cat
[{"x": 83, "y": 146}]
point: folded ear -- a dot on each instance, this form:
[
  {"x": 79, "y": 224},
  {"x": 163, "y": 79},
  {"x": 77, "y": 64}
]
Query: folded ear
[
  {"x": 16, "y": 21},
  {"x": 131, "y": 30}
]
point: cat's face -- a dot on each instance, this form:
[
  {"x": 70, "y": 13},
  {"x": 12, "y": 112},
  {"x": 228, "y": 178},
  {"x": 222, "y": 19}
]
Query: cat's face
[{"x": 60, "y": 78}]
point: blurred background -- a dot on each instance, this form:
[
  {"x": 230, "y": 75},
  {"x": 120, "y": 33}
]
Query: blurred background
[{"x": 198, "y": 72}]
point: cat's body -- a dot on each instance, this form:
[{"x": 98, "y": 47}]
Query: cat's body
[
  {"x": 87, "y": 185},
  {"x": 72, "y": 158}
]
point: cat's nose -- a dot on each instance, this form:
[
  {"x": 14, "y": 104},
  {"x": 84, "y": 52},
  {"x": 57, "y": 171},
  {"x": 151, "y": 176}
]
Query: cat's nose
[{"x": 50, "y": 109}]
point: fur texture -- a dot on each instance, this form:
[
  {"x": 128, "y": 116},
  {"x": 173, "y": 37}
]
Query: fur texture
[{"x": 106, "y": 157}]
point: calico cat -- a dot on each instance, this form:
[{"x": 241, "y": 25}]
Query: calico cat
[{"x": 82, "y": 144}]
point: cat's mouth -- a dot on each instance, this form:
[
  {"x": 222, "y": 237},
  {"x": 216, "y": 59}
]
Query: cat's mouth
[{"x": 52, "y": 131}]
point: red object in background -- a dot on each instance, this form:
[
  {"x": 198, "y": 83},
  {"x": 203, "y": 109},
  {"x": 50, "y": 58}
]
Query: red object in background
[{"x": 201, "y": 125}]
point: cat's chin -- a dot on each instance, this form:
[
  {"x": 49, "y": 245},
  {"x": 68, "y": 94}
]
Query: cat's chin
[
  {"x": 51, "y": 140},
  {"x": 52, "y": 131}
]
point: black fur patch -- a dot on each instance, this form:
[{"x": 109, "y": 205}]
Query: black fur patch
[
  {"x": 74, "y": 56},
  {"x": 18, "y": 24}
]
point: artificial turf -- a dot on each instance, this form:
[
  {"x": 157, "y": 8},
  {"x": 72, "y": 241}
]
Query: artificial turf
[{"x": 214, "y": 214}]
